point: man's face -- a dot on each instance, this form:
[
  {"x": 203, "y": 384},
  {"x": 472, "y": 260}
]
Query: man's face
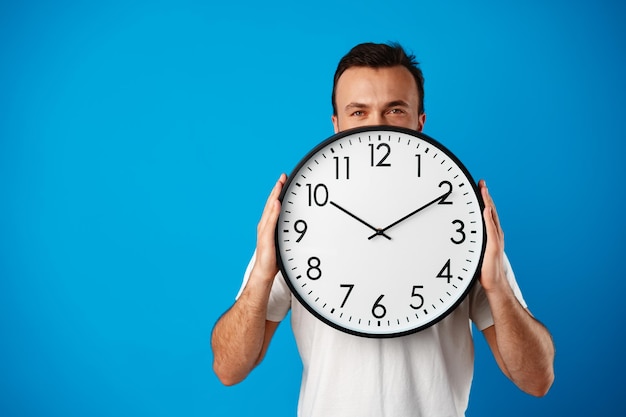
[{"x": 377, "y": 96}]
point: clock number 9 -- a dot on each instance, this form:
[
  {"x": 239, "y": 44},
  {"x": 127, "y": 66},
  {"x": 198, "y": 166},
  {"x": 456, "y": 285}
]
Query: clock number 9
[
  {"x": 320, "y": 198},
  {"x": 301, "y": 230}
]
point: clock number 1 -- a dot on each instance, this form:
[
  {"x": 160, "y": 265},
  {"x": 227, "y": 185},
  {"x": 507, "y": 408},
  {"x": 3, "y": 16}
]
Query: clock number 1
[{"x": 419, "y": 165}]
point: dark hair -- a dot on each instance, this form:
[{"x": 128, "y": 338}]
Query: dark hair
[{"x": 380, "y": 55}]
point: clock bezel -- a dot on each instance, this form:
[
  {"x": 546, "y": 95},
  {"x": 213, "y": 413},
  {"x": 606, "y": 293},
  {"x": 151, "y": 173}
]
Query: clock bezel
[{"x": 393, "y": 129}]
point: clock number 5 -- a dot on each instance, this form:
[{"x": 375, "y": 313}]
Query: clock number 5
[{"x": 419, "y": 296}]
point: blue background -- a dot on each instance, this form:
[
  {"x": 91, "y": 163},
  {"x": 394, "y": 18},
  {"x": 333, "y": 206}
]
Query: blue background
[{"x": 139, "y": 140}]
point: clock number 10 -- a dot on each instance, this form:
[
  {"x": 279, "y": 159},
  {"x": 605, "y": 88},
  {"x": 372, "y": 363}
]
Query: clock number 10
[{"x": 318, "y": 195}]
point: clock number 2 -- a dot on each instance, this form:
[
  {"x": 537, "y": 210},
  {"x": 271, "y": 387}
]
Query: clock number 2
[{"x": 446, "y": 195}]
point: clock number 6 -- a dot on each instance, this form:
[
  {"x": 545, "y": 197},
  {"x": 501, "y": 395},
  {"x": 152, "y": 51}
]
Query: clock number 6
[{"x": 379, "y": 310}]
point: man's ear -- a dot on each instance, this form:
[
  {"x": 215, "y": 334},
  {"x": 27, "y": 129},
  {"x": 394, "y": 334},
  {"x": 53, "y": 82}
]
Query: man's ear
[
  {"x": 421, "y": 121},
  {"x": 335, "y": 123}
]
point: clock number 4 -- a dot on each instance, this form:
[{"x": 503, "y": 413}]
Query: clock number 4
[{"x": 445, "y": 272}]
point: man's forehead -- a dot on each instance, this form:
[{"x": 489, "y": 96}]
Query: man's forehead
[{"x": 360, "y": 85}]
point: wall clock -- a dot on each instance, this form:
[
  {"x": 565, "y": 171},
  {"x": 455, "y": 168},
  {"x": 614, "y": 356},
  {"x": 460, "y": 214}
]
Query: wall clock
[{"x": 380, "y": 232}]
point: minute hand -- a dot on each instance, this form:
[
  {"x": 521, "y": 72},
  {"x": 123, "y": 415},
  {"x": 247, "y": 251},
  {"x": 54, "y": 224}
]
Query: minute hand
[{"x": 410, "y": 214}]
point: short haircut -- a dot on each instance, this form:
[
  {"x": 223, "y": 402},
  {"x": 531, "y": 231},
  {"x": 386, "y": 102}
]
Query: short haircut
[{"x": 380, "y": 55}]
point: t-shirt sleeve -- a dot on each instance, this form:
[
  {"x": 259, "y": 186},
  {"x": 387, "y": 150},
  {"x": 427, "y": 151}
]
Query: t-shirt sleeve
[
  {"x": 280, "y": 296},
  {"x": 480, "y": 312}
]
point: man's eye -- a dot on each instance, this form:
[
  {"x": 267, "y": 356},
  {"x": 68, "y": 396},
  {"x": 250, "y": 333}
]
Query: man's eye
[
  {"x": 358, "y": 113},
  {"x": 396, "y": 111}
]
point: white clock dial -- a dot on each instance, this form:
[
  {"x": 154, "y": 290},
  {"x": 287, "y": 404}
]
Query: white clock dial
[{"x": 380, "y": 232}]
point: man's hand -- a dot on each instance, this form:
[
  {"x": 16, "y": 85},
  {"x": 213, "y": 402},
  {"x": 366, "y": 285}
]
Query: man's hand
[
  {"x": 265, "y": 266},
  {"x": 492, "y": 272}
]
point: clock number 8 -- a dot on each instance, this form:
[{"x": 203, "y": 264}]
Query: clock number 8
[{"x": 314, "y": 272}]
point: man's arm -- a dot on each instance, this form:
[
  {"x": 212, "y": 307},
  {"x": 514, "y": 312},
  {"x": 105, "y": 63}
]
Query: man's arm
[
  {"x": 241, "y": 336},
  {"x": 521, "y": 345}
]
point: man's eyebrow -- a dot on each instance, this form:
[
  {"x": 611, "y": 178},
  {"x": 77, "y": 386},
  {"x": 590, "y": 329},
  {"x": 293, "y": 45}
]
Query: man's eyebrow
[
  {"x": 354, "y": 105},
  {"x": 395, "y": 103}
]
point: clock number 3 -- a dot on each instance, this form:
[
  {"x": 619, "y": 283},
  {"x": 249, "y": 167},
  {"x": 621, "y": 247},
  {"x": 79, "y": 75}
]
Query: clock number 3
[{"x": 460, "y": 231}]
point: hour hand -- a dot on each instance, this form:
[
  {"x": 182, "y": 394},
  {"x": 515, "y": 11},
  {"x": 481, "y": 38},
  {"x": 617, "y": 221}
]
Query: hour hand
[{"x": 378, "y": 231}]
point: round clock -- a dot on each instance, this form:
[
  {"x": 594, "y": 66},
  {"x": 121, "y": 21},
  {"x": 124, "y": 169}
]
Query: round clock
[{"x": 380, "y": 232}]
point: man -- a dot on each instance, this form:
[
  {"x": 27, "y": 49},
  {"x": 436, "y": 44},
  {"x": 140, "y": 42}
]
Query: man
[{"x": 428, "y": 373}]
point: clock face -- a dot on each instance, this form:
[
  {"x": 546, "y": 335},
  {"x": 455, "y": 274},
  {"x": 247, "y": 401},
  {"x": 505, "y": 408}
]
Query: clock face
[{"x": 381, "y": 231}]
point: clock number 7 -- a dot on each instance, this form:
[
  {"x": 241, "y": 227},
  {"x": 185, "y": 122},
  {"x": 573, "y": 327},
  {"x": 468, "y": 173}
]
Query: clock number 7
[{"x": 350, "y": 287}]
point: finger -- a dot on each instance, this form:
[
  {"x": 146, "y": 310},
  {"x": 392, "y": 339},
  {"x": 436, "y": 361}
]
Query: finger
[
  {"x": 490, "y": 214},
  {"x": 270, "y": 205}
]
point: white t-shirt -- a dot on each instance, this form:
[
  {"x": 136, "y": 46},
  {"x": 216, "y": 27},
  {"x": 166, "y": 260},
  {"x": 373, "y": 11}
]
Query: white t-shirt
[{"x": 428, "y": 373}]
